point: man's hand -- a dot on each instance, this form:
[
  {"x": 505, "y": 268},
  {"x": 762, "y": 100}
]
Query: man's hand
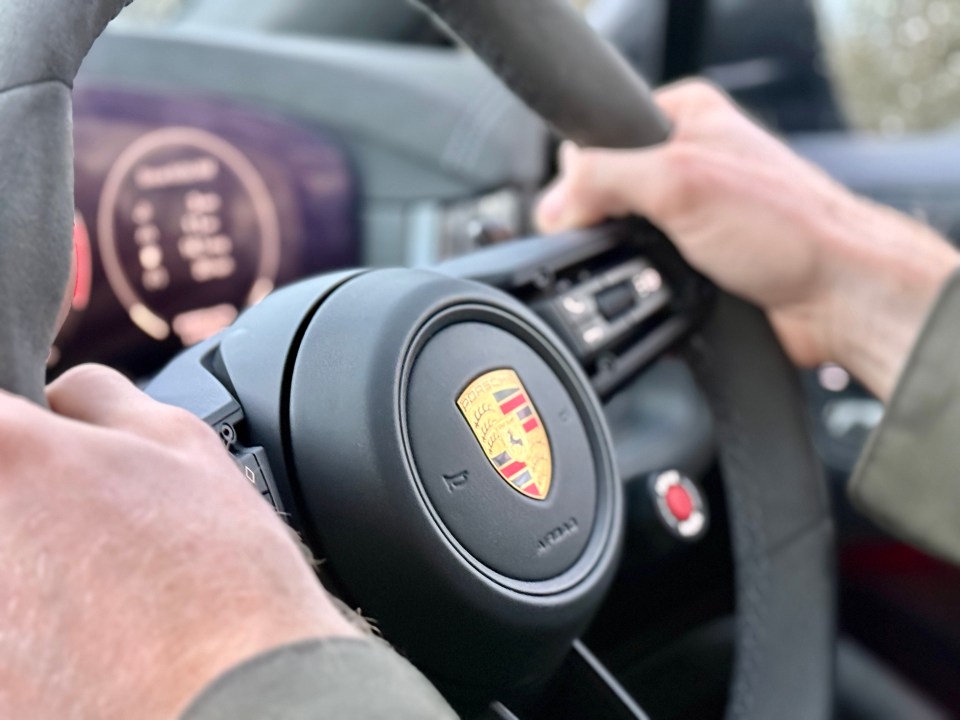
[
  {"x": 138, "y": 562},
  {"x": 842, "y": 279}
]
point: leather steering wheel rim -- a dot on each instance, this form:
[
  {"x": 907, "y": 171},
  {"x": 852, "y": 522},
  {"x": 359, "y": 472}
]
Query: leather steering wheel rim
[
  {"x": 43, "y": 43},
  {"x": 782, "y": 531}
]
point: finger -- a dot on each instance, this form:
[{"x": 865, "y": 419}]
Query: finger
[
  {"x": 20, "y": 421},
  {"x": 31, "y": 438},
  {"x": 99, "y": 396},
  {"x": 550, "y": 205},
  {"x": 598, "y": 184},
  {"x": 89, "y": 392},
  {"x": 684, "y": 97}
]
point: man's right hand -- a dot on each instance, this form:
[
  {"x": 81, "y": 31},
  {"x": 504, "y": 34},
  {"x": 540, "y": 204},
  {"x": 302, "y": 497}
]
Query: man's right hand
[{"x": 841, "y": 278}]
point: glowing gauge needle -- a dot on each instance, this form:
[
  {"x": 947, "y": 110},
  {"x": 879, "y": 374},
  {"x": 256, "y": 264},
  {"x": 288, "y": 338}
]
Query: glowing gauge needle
[
  {"x": 77, "y": 294},
  {"x": 81, "y": 269}
]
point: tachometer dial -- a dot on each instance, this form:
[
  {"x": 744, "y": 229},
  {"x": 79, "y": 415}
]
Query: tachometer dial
[{"x": 188, "y": 233}]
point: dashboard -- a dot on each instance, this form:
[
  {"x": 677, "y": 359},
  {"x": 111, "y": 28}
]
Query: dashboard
[{"x": 215, "y": 166}]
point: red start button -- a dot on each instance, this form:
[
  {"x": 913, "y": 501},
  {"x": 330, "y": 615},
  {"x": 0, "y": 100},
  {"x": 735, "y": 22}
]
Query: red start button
[
  {"x": 680, "y": 505},
  {"x": 679, "y": 502}
]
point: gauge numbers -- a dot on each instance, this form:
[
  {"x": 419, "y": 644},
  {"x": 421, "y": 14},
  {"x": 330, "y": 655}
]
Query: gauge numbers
[{"x": 188, "y": 233}]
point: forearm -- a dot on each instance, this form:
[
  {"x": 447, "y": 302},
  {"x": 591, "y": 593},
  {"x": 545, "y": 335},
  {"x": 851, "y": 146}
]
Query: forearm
[
  {"x": 841, "y": 278},
  {"x": 885, "y": 272}
]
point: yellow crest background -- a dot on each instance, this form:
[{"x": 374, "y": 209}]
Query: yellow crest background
[{"x": 505, "y": 422}]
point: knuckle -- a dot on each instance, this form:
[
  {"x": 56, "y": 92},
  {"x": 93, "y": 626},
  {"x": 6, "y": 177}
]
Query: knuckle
[
  {"x": 584, "y": 186},
  {"x": 182, "y": 422},
  {"x": 87, "y": 373},
  {"x": 22, "y": 425},
  {"x": 16, "y": 413}
]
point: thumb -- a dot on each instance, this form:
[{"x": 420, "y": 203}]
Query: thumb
[{"x": 594, "y": 185}]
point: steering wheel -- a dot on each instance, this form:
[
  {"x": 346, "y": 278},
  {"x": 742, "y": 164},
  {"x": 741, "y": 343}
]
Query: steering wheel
[
  {"x": 437, "y": 434},
  {"x": 382, "y": 20}
]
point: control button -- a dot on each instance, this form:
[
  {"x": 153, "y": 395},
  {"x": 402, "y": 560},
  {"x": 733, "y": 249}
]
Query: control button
[
  {"x": 255, "y": 467},
  {"x": 595, "y": 311},
  {"x": 833, "y": 378},
  {"x": 252, "y": 471},
  {"x": 576, "y": 307},
  {"x": 647, "y": 282},
  {"x": 680, "y": 505},
  {"x": 617, "y": 301},
  {"x": 860, "y": 417},
  {"x": 482, "y": 232},
  {"x": 269, "y": 498},
  {"x": 595, "y": 334}
]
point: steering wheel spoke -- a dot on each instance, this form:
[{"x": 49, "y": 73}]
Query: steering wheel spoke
[{"x": 585, "y": 687}]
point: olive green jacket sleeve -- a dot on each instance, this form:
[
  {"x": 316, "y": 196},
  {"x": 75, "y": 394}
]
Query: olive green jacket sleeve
[
  {"x": 908, "y": 479},
  {"x": 333, "y": 678}
]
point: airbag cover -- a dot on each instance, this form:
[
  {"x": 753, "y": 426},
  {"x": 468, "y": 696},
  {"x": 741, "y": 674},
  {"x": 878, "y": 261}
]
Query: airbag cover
[{"x": 520, "y": 536}]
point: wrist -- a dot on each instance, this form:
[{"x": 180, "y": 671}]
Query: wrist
[
  {"x": 262, "y": 626},
  {"x": 885, "y": 271},
  {"x": 280, "y": 603}
]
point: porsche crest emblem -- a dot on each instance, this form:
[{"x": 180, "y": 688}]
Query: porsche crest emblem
[{"x": 505, "y": 422}]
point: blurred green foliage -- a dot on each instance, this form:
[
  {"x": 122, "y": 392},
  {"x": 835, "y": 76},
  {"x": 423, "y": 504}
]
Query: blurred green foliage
[{"x": 895, "y": 64}]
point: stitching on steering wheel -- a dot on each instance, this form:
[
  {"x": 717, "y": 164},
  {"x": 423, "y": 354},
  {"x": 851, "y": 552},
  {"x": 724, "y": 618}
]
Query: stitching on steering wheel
[{"x": 749, "y": 543}]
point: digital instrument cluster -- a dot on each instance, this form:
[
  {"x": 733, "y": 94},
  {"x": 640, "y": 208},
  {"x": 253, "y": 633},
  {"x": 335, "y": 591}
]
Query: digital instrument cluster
[{"x": 188, "y": 211}]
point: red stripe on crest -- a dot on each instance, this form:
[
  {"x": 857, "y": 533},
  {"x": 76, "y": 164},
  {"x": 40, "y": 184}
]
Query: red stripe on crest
[
  {"x": 513, "y": 468},
  {"x": 531, "y": 425},
  {"x": 513, "y": 403}
]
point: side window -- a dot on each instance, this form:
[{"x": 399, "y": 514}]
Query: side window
[
  {"x": 895, "y": 65},
  {"x": 767, "y": 55}
]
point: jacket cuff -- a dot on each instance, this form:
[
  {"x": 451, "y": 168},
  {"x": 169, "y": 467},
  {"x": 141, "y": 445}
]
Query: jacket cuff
[
  {"x": 328, "y": 678},
  {"x": 908, "y": 478}
]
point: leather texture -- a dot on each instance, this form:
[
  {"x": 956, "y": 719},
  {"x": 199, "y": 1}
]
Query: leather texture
[
  {"x": 42, "y": 43},
  {"x": 779, "y": 514},
  {"x": 388, "y": 20},
  {"x": 547, "y": 55}
]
